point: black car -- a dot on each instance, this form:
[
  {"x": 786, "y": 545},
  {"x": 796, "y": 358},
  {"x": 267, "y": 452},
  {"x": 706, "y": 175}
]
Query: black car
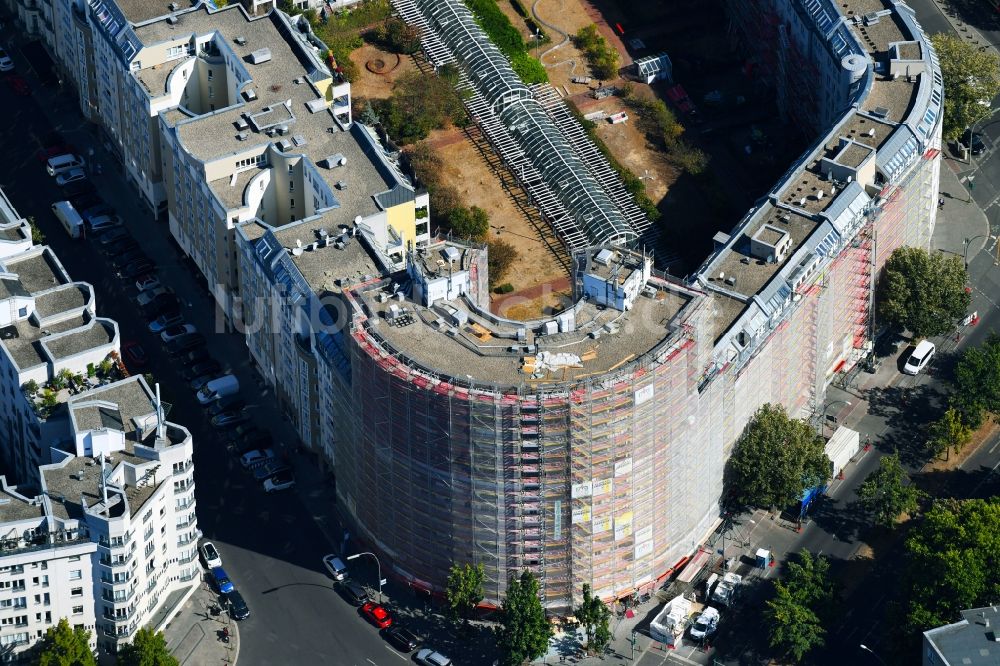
[
  {"x": 78, "y": 188},
  {"x": 209, "y": 367},
  {"x": 402, "y": 638},
  {"x": 161, "y": 305},
  {"x": 225, "y": 402},
  {"x": 241, "y": 432},
  {"x": 353, "y": 592},
  {"x": 122, "y": 245},
  {"x": 122, "y": 259},
  {"x": 82, "y": 202},
  {"x": 237, "y": 607},
  {"x": 974, "y": 142},
  {"x": 137, "y": 268},
  {"x": 194, "y": 356},
  {"x": 185, "y": 343},
  {"x": 256, "y": 439}
]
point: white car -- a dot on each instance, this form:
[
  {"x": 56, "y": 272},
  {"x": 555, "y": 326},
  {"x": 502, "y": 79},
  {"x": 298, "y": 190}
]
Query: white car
[
  {"x": 147, "y": 296},
  {"x": 148, "y": 282},
  {"x": 176, "y": 331},
  {"x": 335, "y": 566},
  {"x": 6, "y": 64},
  {"x": 71, "y": 176},
  {"x": 257, "y": 457},
  {"x": 280, "y": 481},
  {"x": 706, "y": 624},
  {"x": 920, "y": 357},
  {"x": 429, "y": 657},
  {"x": 210, "y": 555}
]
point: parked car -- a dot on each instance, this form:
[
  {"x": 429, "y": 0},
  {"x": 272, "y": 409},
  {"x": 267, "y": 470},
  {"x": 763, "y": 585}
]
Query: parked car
[
  {"x": 176, "y": 331},
  {"x": 218, "y": 388},
  {"x": 210, "y": 555},
  {"x": 58, "y": 148},
  {"x": 109, "y": 240},
  {"x": 135, "y": 355},
  {"x": 82, "y": 201},
  {"x": 269, "y": 469},
  {"x": 121, "y": 246},
  {"x": 197, "y": 383},
  {"x": 210, "y": 367},
  {"x": 99, "y": 209},
  {"x": 123, "y": 259},
  {"x": 18, "y": 85},
  {"x": 221, "y": 580},
  {"x": 376, "y": 614},
  {"x": 353, "y": 592},
  {"x": 253, "y": 439},
  {"x": 71, "y": 176},
  {"x": 222, "y": 404},
  {"x": 335, "y": 566},
  {"x": 6, "y": 64},
  {"x": 185, "y": 343},
  {"x": 280, "y": 481},
  {"x": 163, "y": 322},
  {"x": 103, "y": 223},
  {"x": 136, "y": 268},
  {"x": 230, "y": 418},
  {"x": 146, "y": 297},
  {"x": 257, "y": 457},
  {"x": 235, "y": 604},
  {"x": 402, "y": 638},
  {"x": 79, "y": 188},
  {"x": 147, "y": 282},
  {"x": 163, "y": 304},
  {"x": 429, "y": 657},
  {"x": 974, "y": 142},
  {"x": 706, "y": 625},
  {"x": 920, "y": 357},
  {"x": 195, "y": 356}
]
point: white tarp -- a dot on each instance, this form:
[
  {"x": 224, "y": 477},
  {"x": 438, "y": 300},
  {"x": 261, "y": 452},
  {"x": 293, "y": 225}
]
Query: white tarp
[
  {"x": 556, "y": 361},
  {"x": 668, "y": 626},
  {"x": 842, "y": 447}
]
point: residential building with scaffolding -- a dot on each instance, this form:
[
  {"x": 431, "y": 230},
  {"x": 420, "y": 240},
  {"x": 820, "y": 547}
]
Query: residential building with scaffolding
[{"x": 104, "y": 496}]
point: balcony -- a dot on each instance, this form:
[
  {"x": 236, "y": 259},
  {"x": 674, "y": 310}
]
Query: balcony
[
  {"x": 129, "y": 614},
  {"x": 115, "y": 563},
  {"x": 183, "y": 488},
  {"x": 114, "y": 598}
]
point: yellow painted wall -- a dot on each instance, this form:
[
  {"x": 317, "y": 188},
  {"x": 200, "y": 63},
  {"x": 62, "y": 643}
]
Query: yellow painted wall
[{"x": 403, "y": 219}]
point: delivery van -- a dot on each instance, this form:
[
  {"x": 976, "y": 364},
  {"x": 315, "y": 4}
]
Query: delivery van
[
  {"x": 218, "y": 388},
  {"x": 63, "y": 163},
  {"x": 70, "y": 219}
]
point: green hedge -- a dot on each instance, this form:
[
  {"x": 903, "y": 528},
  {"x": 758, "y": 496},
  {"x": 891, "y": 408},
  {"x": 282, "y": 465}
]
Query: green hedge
[{"x": 507, "y": 38}]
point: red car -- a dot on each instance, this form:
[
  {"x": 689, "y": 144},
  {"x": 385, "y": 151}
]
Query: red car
[
  {"x": 134, "y": 354},
  {"x": 377, "y": 615},
  {"x": 18, "y": 85}
]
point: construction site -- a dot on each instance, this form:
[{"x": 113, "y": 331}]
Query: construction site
[{"x": 589, "y": 445}]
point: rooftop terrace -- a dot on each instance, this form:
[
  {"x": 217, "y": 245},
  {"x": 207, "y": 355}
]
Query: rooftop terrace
[{"x": 38, "y": 269}]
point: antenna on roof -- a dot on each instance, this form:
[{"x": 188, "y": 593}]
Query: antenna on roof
[
  {"x": 159, "y": 413},
  {"x": 104, "y": 482}
]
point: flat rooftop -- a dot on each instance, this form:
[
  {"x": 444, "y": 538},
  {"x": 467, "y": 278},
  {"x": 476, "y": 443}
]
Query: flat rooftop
[
  {"x": 970, "y": 641},
  {"x": 138, "y": 11},
  {"x": 79, "y": 481},
  {"x": 15, "y": 508},
  {"x": 480, "y": 351},
  {"x": 751, "y": 273},
  {"x": 37, "y": 270},
  {"x": 213, "y": 135},
  {"x": 70, "y": 297},
  {"x": 99, "y": 334},
  {"x": 23, "y": 339},
  {"x": 154, "y": 78},
  {"x": 128, "y": 400},
  {"x": 322, "y": 266}
]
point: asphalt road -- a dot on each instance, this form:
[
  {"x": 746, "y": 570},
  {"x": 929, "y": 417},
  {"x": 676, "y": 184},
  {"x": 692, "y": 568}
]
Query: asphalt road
[{"x": 270, "y": 545}]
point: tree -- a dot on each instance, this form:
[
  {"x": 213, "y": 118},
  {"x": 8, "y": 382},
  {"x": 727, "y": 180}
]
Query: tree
[
  {"x": 398, "y": 36},
  {"x": 950, "y": 563},
  {"x": 37, "y": 237},
  {"x": 970, "y": 77},
  {"x": 923, "y": 292},
  {"x": 524, "y": 631},
  {"x": 502, "y": 256},
  {"x": 885, "y": 493},
  {"x": 419, "y": 104},
  {"x": 593, "y": 615},
  {"x": 603, "y": 58},
  {"x": 465, "y": 589},
  {"x": 948, "y": 433},
  {"x": 775, "y": 460},
  {"x": 801, "y": 604},
  {"x": 471, "y": 223},
  {"x": 977, "y": 381},
  {"x": 63, "y": 645},
  {"x": 148, "y": 648}
]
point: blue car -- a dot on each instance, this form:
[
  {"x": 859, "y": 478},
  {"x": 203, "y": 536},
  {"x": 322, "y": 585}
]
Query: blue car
[{"x": 222, "y": 582}]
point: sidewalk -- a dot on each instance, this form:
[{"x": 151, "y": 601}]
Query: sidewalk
[{"x": 194, "y": 635}]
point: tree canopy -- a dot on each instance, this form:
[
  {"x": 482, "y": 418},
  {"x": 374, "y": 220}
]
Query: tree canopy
[
  {"x": 775, "y": 460},
  {"x": 885, "y": 493},
  {"x": 148, "y": 648},
  {"x": 465, "y": 589},
  {"x": 948, "y": 433},
  {"x": 471, "y": 222},
  {"x": 502, "y": 256},
  {"x": 594, "y": 615},
  {"x": 800, "y": 606},
  {"x": 921, "y": 292},
  {"x": 63, "y": 645},
  {"x": 419, "y": 103},
  {"x": 524, "y": 631},
  {"x": 603, "y": 58},
  {"x": 970, "y": 77},
  {"x": 951, "y": 562},
  {"x": 398, "y": 36},
  {"x": 977, "y": 381}
]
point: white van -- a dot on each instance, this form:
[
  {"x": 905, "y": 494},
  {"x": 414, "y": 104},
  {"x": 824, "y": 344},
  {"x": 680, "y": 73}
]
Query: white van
[
  {"x": 71, "y": 220},
  {"x": 920, "y": 357},
  {"x": 63, "y": 163},
  {"x": 218, "y": 388}
]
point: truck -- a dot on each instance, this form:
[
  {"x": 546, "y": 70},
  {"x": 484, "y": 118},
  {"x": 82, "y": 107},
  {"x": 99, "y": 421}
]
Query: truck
[
  {"x": 669, "y": 624},
  {"x": 727, "y": 589}
]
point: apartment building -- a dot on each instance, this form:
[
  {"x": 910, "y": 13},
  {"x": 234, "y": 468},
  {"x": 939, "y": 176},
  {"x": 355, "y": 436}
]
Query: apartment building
[
  {"x": 46, "y": 568},
  {"x": 112, "y": 480},
  {"x": 221, "y": 117}
]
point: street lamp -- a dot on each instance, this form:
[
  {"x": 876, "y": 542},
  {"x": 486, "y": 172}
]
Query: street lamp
[
  {"x": 868, "y": 649},
  {"x": 378, "y": 566},
  {"x": 826, "y": 410},
  {"x": 967, "y": 243}
]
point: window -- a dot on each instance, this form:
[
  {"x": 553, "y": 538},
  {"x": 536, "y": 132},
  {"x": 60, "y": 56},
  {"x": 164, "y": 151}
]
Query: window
[
  {"x": 22, "y": 312},
  {"x": 76, "y": 592},
  {"x": 77, "y": 610},
  {"x": 75, "y": 574},
  {"x": 209, "y": 75},
  {"x": 291, "y": 186},
  {"x": 293, "y": 203},
  {"x": 75, "y": 558}
]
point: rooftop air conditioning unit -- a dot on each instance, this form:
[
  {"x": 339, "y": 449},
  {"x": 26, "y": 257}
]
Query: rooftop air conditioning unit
[
  {"x": 260, "y": 56},
  {"x": 242, "y": 124},
  {"x": 341, "y": 184},
  {"x": 173, "y": 6},
  {"x": 240, "y": 39},
  {"x": 249, "y": 94},
  {"x": 172, "y": 20},
  {"x": 242, "y": 136}
]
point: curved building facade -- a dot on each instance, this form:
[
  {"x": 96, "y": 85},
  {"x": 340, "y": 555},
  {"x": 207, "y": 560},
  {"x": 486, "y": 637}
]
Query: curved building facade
[{"x": 589, "y": 446}]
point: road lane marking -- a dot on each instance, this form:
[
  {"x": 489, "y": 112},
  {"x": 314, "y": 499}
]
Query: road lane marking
[
  {"x": 994, "y": 447},
  {"x": 394, "y": 652},
  {"x": 371, "y": 662}
]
